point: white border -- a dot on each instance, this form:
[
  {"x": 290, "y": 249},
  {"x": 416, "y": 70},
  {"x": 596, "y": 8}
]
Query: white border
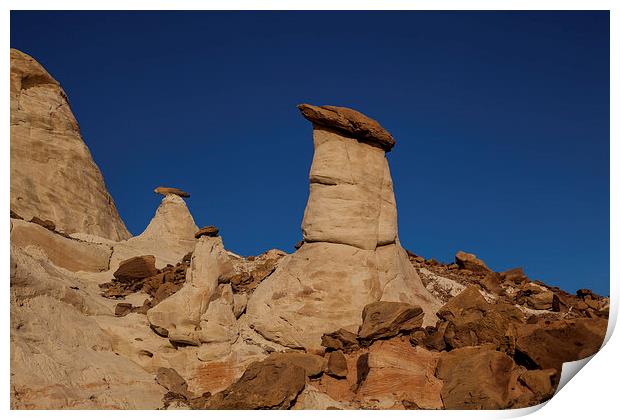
[{"x": 591, "y": 395}]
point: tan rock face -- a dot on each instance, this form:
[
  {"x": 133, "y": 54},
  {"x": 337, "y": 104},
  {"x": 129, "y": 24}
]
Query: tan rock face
[
  {"x": 53, "y": 175},
  {"x": 69, "y": 254},
  {"x": 351, "y": 197},
  {"x": 351, "y": 255},
  {"x": 169, "y": 235},
  {"x": 185, "y": 314},
  {"x": 60, "y": 356}
]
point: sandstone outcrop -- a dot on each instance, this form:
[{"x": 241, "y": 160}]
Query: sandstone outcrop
[
  {"x": 169, "y": 235},
  {"x": 184, "y": 315},
  {"x": 351, "y": 254},
  {"x": 70, "y": 254},
  {"x": 60, "y": 356},
  {"x": 53, "y": 175}
]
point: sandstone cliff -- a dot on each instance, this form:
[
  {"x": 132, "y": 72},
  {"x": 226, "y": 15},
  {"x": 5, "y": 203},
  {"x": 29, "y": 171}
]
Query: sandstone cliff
[{"x": 53, "y": 175}]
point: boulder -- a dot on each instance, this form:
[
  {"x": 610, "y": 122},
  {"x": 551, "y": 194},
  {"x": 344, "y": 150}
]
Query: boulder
[
  {"x": 547, "y": 345},
  {"x": 470, "y": 262},
  {"x": 313, "y": 399},
  {"x": 136, "y": 268},
  {"x": 469, "y": 320},
  {"x": 349, "y": 122},
  {"x": 476, "y": 378},
  {"x": 171, "y": 191},
  {"x": 340, "y": 340},
  {"x": 71, "y": 191},
  {"x": 388, "y": 319},
  {"x": 337, "y": 364},
  {"x": 311, "y": 363},
  {"x": 270, "y": 384},
  {"x": 211, "y": 231},
  {"x": 172, "y": 381},
  {"x": 122, "y": 309},
  {"x": 514, "y": 276},
  {"x": 398, "y": 372},
  {"x": 541, "y": 382}
]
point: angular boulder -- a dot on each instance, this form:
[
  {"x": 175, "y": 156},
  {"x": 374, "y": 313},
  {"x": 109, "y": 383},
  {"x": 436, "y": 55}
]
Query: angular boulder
[
  {"x": 349, "y": 121},
  {"x": 211, "y": 231},
  {"x": 337, "y": 364},
  {"x": 399, "y": 373},
  {"x": 264, "y": 385},
  {"x": 469, "y": 320},
  {"x": 340, "y": 340},
  {"x": 388, "y": 319},
  {"x": 171, "y": 190},
  {"x": 470, "y": 262},
  {"x": 547, "y": 345},
  {"x": 476, "y": 378},
  {"x": 136, "y": 268}
]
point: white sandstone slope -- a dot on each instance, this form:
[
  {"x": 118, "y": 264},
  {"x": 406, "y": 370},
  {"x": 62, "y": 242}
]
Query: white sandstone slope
[
  {"x": 351, "y": 256},
  {"x": 53, "y": 175}
]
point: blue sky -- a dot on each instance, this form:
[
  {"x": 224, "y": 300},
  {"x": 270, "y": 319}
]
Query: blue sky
[{"x": 501, "y": 121}]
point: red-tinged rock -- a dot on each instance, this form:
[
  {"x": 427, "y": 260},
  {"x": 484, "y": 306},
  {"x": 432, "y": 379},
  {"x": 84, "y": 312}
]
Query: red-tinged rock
[
  {"x": 388, "y": 319},
  {"x": 264, "y": 385},
  {"x": 350, "y": 122},
  {"x": 470, "y": 262},
  {"x": 337, "y": 364},
  {"x": 210, "y": 231},
  {"x": 548, "y": 344},
  {"x": 136, "y": 268},
  {"x": 171, "y": 191}
]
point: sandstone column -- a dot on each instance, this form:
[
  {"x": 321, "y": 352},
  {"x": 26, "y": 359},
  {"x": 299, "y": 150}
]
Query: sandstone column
[{"x": 351, "y": 256}]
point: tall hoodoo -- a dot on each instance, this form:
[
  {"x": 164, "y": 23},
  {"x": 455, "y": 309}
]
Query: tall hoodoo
[
  {"x": 53, "y": 175},
  {"x": 352, "y": 255}
]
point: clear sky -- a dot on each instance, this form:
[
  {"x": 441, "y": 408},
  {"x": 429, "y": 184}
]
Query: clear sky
[{"x": 501, "y": 121}]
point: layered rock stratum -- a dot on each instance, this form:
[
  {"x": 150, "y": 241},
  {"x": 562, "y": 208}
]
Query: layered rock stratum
[
  {"x": 53, "y": 175},
  {"x": 170, "y": 319}
]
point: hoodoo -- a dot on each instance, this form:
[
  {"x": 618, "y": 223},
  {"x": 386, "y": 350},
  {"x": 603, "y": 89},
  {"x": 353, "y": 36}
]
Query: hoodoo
[{"x": 352, "y": 255}]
